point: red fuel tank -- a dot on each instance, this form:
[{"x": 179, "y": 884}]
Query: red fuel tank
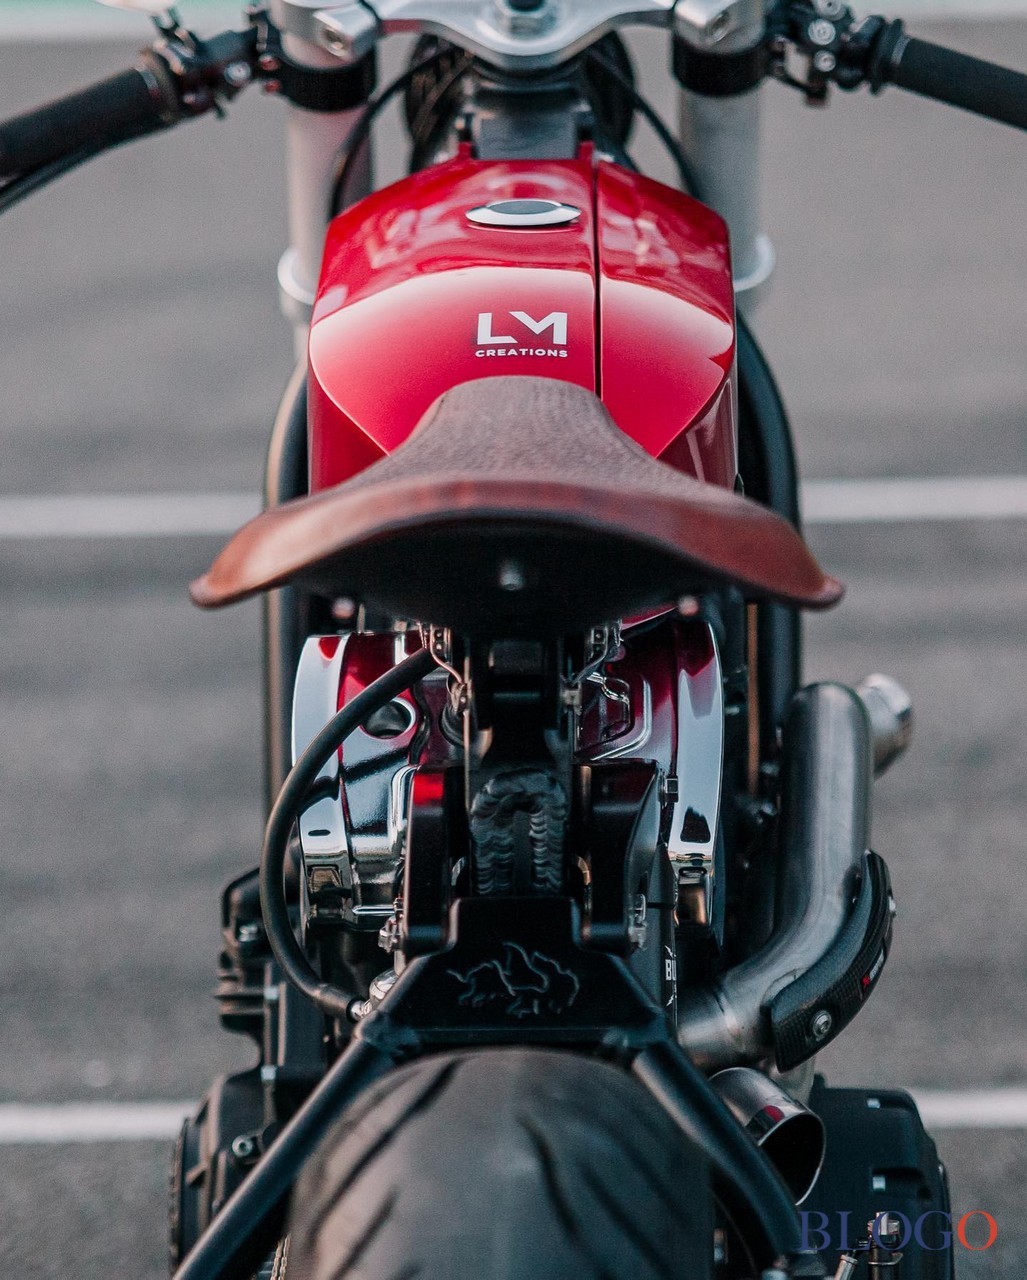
[{"x": 631, "y": 298}]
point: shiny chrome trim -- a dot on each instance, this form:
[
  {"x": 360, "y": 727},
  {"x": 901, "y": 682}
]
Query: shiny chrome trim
[
  {"x": 890, "y": 709},
  {"x": 491, "y": 29},
  {"x": 399, "y": 807},
  {"x": 791, "y": 1136},
  {"x": 699, "y": 766},
  {"x": 642, "y": 734},
  {"x": 315, "y": 701},
  {"x": 495, "y": 215}
]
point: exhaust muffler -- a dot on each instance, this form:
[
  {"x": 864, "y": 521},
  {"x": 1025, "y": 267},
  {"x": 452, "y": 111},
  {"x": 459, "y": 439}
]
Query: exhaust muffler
[
  {"x": 789, "y": 1134},
  {"x": 833, "y": 913}
]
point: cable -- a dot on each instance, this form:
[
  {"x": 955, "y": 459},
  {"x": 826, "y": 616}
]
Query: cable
[
  {"x": 426, "y": 126},
  {"x": 294, "y": 795},
  {"x": 359, "y": 134},
  {"x": 685, "y": 171}
]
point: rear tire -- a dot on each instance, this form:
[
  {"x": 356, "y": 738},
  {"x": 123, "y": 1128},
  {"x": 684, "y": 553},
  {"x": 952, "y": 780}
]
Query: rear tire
[{"x": 507, "y": 1164}]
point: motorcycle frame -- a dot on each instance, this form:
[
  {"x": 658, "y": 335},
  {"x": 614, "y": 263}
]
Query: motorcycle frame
[{"x": 241, "y": 1236}]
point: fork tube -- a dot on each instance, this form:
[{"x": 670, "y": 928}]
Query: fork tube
[
  {"x": 719, "y": 63},
  {"x": 721, "y": 137},
  {"x": 313, "y": 141}
]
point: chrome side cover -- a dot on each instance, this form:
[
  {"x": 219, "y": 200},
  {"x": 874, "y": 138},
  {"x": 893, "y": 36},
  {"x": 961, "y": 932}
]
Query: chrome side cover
[
  {"x": 699, "y": 766},
  {"x": 323, "y": 825},
  {"x": 352, "y": 837}
]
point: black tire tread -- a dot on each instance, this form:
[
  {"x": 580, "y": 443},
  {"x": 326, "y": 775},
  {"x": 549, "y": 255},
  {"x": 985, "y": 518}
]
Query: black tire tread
[{"x": 504, "y": 1164}]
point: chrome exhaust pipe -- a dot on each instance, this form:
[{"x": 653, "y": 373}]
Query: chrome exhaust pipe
[
  {"x": 825, "y": 828},
  {"x": 890, "y": 709},
  {"x": 789, "y": 1134}
]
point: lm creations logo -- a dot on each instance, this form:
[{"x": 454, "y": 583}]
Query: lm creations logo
[{"x": 490, "y": 343}]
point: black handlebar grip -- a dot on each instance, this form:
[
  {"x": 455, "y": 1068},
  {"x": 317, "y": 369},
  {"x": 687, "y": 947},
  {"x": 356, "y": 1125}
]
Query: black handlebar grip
[
  {"x": 955, "y": 78},
  {"x": 124, "y": 106}
]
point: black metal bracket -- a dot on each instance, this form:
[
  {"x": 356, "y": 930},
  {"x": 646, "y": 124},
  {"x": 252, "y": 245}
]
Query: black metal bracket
[
  {"x": 312, "y": 88},
  {"x": 511, "y": 975},
  {"x": 840, "y": 49}
]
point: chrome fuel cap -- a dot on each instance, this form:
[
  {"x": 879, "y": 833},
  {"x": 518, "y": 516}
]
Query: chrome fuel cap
[{"x": 523, "y": 213}]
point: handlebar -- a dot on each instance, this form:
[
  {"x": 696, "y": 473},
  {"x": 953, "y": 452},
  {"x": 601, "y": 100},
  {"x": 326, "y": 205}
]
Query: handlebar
[
  {"x": 177, "y": 78},
  {"x": 181, "y": 76},
  {"x": 847, "y": 52},
  {"x": 124, "y": 106},
  {"x": 956, "y": 78}
]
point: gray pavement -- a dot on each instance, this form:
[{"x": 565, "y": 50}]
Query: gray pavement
[{"x": 141, "y": 350}]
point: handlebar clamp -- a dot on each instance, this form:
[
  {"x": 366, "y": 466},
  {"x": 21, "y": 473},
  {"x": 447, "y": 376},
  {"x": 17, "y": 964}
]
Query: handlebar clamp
[{"x": 327, "y": 89}]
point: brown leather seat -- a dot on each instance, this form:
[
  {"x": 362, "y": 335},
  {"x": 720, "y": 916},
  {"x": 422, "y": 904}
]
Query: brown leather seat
[{"x": 518, "y": 507}]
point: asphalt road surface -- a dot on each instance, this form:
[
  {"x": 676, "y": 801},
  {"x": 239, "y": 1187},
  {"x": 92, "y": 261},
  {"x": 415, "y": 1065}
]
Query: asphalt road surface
[{"x": 141, "y": 350}]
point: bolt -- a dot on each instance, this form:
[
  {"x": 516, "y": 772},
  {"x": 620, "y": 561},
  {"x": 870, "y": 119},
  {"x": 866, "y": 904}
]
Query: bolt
[
  {"x": 511, "y": 576},
  {"x": 821, "y": 1025},
  {"x": 821, "y": 32},
  {"x": 824, "y": 62},
  {"x": 243, "y": 1148},
  {"x": 830, "y": 8},
  {"x": 525, "y": 17},
  {"x": 718, "y": 25},
  {"x": 237, "y": 74}
]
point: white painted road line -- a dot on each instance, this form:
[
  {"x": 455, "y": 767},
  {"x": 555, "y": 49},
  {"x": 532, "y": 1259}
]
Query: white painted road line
[
  {"x": 91, "y": 1122},
  {"x": 166, "y": 515},
  {"x": 124, "y": 515},
  {"x": 1004, "y": 1108},
  {"x": 51, "y": 21},
  {"x": 75, "y": 1122},
  {"x": 916, "y": 499}
]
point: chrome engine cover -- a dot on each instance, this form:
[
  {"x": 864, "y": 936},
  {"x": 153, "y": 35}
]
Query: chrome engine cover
[{"x": 659, "y": 698}]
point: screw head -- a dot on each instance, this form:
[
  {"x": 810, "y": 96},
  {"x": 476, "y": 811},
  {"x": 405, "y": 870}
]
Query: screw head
[
  {"x": 824, "y": 62},
  {"x": 243, "y": 1148},
  {"x": 830, "y": 8},
  {"x": 511, "y": 576},
  {"x": 238, "y": 74},
  {"x": 821, "y": 32},
  {"x": 821, "y": 1025}
]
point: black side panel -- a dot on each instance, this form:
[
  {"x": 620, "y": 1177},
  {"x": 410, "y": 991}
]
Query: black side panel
[
  {"x": 205, "y": 1168},
  {"x": 879, "y": 1157},
  {"x": 770, "y": 475}
]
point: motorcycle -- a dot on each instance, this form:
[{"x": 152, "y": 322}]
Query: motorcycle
[{"x": 566, "y": 877}]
